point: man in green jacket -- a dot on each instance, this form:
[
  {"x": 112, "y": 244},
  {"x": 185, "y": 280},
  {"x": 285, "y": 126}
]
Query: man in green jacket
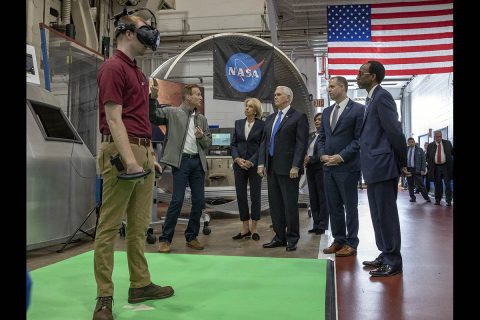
[{"x": 187, "y": 140}]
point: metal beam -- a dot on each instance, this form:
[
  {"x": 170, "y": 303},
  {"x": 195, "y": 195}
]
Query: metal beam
[
  {"x": 84, "y": 26},
  {"x": 272, "y": 22}
]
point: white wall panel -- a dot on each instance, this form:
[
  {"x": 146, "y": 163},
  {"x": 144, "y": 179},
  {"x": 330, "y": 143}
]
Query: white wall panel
[
  {"x": 210, "y": 16},
  {"x": 431, "y": 103},
  {"x": 308, "y": 69}
]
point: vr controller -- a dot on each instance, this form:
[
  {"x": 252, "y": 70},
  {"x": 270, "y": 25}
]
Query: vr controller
[
  {"x": 134, "y": 176},
  {"x": 115, "y": 161}
]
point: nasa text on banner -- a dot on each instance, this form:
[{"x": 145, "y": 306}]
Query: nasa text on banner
[{"x": 242, "y": 71}]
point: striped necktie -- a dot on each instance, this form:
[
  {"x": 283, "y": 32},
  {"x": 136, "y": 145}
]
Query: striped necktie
[{"x": 367, "y": 102}]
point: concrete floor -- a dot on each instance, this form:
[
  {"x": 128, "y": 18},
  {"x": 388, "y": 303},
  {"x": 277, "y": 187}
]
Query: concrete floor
[{"x": 218, "y": 242}]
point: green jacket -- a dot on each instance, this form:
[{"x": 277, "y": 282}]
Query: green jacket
[{"x": 176, "y": 119}]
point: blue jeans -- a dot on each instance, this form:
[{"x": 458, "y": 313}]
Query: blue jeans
[{"x": 191, "y": 172}]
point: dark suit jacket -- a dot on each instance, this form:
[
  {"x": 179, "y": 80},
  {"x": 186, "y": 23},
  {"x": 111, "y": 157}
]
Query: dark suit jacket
[
  {"x": 418, "y": 159},
  {"x": 432, "y": 153},
  {"x": 343, "y": 140},
  {"x": 290, "y": 142},
  {"x": 314, "y": 163},
  {"x": 383, "y": 151},
  {"x": 247, "y": 148}
]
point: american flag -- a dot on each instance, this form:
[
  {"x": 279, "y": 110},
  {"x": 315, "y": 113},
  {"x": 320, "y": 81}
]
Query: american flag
[{"x": 408, "y": 38}]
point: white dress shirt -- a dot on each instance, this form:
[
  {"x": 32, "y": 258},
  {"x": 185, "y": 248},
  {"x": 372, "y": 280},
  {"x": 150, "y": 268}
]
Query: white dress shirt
[{"x": 190, "y": 141}]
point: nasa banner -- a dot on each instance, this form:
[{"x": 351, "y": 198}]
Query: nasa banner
[{"x": 242, "y": 71}]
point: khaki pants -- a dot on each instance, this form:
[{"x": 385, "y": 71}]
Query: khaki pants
[{"x": 120, "y": 198}]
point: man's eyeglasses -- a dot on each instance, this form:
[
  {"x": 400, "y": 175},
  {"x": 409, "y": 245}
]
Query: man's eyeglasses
[{"x": 360, "y": 73}]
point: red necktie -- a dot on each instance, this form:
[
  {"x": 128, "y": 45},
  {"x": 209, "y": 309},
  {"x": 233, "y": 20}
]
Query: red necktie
[{"x": 439, "y": 153}]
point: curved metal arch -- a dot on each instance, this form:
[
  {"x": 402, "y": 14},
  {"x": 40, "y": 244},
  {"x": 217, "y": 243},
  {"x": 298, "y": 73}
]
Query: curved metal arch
[{"x": 286, "y": 72}]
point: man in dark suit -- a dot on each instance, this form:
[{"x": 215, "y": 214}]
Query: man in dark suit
[
  {"x": 417, "y": 167},
  {"x": 426, "y": 179},
  {"x": 281, "y": 155},
  {"x": 338, "y": 149},
  {"x": 383, "y": 156},
  {"x": 440, "y": 166}
]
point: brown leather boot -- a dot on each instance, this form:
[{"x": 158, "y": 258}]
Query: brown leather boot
[
  {"x": 150, "y": 292},
  {"x": 195, "y": 244},
  {"x": 164, "y": 247},
  {"x": 103, "y": 309}
]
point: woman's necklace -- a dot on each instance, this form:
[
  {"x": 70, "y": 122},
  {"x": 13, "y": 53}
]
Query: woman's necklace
[{"x": 249, "y": 123}]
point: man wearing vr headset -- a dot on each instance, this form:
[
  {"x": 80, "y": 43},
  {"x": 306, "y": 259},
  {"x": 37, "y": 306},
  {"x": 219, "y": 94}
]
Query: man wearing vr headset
[{"x": 126, "y": 134}]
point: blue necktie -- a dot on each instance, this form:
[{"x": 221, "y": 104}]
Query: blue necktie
[
  {"x": 367, "y": 102},
  {"x": 272, "y": 138},
  {"x": 410, "y": 153}
]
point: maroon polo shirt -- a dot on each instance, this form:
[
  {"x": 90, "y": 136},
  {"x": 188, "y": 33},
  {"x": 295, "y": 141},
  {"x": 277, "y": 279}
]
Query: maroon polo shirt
[{"x": 122, "y": 82}]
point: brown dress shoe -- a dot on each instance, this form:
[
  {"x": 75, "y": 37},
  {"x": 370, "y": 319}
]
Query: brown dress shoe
[
  {"x": 164, "y": 247},
  {"x": 150, "y": 292},
  {"x": 346, "y": 251},
  {"x": 334, "y": 247},
  {"x": 195, "y": 244},
  {"x": 103, "y": 309}
]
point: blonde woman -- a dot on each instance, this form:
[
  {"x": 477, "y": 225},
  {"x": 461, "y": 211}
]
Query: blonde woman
[{"x": 244, "y": 147}]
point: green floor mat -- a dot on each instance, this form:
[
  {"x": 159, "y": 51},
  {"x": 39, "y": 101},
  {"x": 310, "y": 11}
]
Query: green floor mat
[{"x": 206, "y": 287}]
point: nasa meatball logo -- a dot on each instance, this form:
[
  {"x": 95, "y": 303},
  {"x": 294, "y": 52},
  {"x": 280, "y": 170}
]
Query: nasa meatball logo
[{"x": 243, "y": 72}]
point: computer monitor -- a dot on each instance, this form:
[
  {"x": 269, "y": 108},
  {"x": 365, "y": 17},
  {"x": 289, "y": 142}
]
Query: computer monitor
[{"x": 221, "y": 139}]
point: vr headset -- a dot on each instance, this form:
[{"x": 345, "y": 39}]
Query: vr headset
[{"x": 147, "y": 35}]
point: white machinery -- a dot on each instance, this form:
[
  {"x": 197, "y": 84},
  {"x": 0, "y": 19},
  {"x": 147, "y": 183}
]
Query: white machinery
[{"x": 60, "y": 173}]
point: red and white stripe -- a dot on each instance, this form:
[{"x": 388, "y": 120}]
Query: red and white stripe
[{"x": 408, "y": 38}]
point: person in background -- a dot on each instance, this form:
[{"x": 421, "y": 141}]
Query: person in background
[
  {"x": 383, "y": 156},
  {"x": 126, "y": 132},
  {"x": 316, "y": 188},
  {"x": 440, "y": 166},
  {"x": 416, "y": 167},
  {"x": 281, "y": 156},
  {"x": 158, "y": 137},
  {"x": 245, "y": 146},
  {"x": 339, "y": 151},
  {"x": 425, "y": 177},
  {"x": 186, "y": 144}
]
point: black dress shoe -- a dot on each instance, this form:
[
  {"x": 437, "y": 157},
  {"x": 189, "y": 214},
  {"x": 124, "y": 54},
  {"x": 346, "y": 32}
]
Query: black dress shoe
[
  {"x": 291, "y": 247},
  {"x": 320, "y": 231},
  {"x": 313, "y": 230},
  {"x": 274, "y": 244},
  {"x": 241, "y": 236},
  {"x": 437, "y": 203},
  {"x": 375, "y": 263},
  {"x": 413, "y": 199},
  {"x": 255, "y": 236},
  {"x": 385, "y": 270},
  {"x": 428, "y": 200}
]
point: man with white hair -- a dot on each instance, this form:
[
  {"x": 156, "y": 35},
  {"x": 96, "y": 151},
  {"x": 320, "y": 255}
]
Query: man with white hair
[{"x": 281, "y": 158}]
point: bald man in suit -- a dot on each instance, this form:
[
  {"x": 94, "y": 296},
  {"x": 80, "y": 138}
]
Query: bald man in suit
[{"x": 440, "y": 167}]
